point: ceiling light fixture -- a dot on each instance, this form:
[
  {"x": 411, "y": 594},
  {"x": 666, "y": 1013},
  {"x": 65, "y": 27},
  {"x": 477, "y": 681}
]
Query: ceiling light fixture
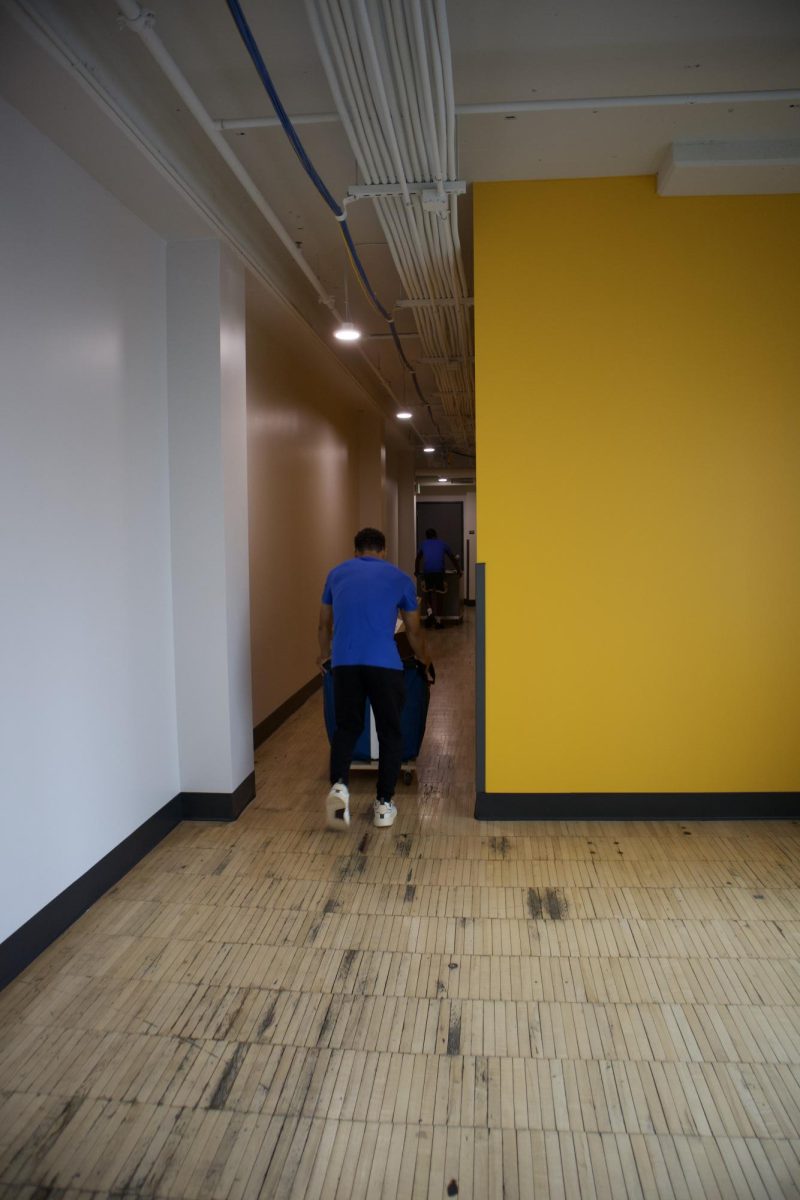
[
  {"x": 428, "y": 449},
  {"x": 442, "y": 479},
  {"x": 404, "y": 415},
  {"x": 347, "y": 332}
]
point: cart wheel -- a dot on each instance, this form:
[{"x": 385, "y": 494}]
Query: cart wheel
[{"x": 407, "y": 776}]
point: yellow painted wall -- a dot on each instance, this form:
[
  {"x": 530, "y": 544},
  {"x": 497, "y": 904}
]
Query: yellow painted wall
[{"x": 638, "y": 427}]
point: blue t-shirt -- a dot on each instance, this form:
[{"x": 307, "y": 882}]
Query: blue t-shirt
[
  {"x": 366, "y": 594},
  {"x": 433, "y": 551}
]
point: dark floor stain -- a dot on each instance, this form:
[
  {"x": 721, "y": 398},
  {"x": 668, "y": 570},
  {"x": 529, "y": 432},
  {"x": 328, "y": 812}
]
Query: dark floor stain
[
  {"x": 167, "y": 1155},
  {"x": 223, "y": 1032},
  {"x": 362, "y": 845},
  {"x": 330, "y": 907},
  {"x": 758, "y": 895},
  {"x": 327, "y": 1022},
  {"x": 410, "y": 892},
  {"x": 454, "y": 1033},
  {"x": 556, "y": 904},
  {"x": 535, "y": 911},
  {"x": 228, "y": 1077},
  {"x": 269, "y": 1016},
  {"x": 500, "y": 845},
  {"x": 348, "y": 958},
  {"x": 312, "y": 933},
  {"x": 452, "y": 1188},
  {"x": 225, "y": 863},
  {"x": 402, "y": 845},
  {"x": 462, "y": 922},
  {"x": 352, "y": 866},
  {"x": 410, "y": 873},
  {"x": 62, "y": 1121},
  {"x": 307, "y": 1078},
  {"x": 452, "y": 966}
]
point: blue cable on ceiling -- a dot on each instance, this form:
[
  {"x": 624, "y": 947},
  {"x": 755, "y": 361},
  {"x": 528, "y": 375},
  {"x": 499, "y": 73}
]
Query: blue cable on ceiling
[{"x": 336, "y": 208}]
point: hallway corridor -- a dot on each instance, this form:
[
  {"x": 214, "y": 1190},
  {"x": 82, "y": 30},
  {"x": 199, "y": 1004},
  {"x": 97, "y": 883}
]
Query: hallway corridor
[{"x": 267, "y": 1009}]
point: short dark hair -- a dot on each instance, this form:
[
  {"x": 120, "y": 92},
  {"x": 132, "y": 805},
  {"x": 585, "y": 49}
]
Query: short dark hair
[
  {"x": 430, "y": 533},
  {"x": 369, "y": 539}
]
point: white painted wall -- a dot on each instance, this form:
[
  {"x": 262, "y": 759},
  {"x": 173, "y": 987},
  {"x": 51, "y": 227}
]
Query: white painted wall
[
  {"x": 208, "y": 484},
  {"x": 88, "y": 744}
]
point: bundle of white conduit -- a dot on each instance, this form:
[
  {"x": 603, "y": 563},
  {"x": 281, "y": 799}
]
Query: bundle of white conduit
[{"x": 389, "y": 69}]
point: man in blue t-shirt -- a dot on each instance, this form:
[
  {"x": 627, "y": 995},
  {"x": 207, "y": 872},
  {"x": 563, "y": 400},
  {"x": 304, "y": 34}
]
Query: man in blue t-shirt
[
  {"x": 430, "y": 564},
  {"x": 360, "y": 603}
]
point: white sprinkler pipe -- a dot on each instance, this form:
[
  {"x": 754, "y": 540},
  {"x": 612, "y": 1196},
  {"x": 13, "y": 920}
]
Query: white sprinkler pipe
[
  {"x": 140, "y": 21},
  {"x": 525, "y": 106}
]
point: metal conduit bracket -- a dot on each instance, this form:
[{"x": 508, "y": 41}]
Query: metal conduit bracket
[
  {"x": 452, "y": 186},
  {"x": 146, "y": 19},
  {"x": 434, "y": 201}
]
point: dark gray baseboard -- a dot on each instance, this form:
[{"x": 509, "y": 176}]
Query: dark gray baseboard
[
  {"x": 24, "y": 945},
  {"x": 275, "y": 719},
  {"x": 28, "y": 942},
  {"x": 637, "y": 806},
  {"x": 219, "y": 806}
]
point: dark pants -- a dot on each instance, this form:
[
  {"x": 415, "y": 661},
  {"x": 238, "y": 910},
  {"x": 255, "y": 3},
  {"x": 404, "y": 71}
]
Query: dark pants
[{"x": 385, "y": 690}]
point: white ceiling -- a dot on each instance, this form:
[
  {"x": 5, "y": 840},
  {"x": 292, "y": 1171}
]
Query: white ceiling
[{"x": 507, "y": 51}]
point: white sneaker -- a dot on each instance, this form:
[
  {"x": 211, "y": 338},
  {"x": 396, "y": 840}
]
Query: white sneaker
[
  {"x": 383, "y": 813},
  {"x": 337, "y": 807}
]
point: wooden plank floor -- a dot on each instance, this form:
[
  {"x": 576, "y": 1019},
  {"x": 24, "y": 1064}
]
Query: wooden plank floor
[{"x": 267, "y": 1009}]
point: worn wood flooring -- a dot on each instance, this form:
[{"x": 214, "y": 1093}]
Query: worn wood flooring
[{"x": 267, "y": 1009}]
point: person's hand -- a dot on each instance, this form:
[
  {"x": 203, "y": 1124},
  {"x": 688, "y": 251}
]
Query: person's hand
[
  {"x": 323, "y": 664},
  {"x": 431, "y": 672}
]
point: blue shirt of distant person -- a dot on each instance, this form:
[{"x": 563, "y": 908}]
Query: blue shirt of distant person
[{"x": 430, "y": 565}]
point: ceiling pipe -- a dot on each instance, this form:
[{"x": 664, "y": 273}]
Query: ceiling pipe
[
  {"x": 76, "y": 62},
  {"x": 140, "y": 22},
  {"x": 688, "y": 100},
  {"x": 512, "y": 107}
]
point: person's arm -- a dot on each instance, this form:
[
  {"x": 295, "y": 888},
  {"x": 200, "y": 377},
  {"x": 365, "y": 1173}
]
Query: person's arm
[
  {"x": 324, "y": 634},
  {"x": 415, "y": 635},
  {"x": 453, "y": 560}
]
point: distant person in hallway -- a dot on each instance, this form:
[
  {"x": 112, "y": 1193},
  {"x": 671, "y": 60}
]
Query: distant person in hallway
[
  {"x": 430, "y": 565},
  {"x": 360, "y": 604}
]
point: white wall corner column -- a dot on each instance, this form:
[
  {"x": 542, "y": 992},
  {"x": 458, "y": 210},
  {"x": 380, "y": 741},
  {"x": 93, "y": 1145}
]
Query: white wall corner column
[{"x": 208, "y": 500}]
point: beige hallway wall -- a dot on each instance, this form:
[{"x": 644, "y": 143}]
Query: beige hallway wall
[
  {"x": 398, "y": 507},
  {"x": 322, "y": 462},
  {"x": 303, "y": 468}
]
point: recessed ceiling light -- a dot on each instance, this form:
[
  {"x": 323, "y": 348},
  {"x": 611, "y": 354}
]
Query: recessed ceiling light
[
  {"x": 442, "y": 479},
  {"x": 428, "y": 449},
  {"x": 404, "y": 416},
  {"x": 347, "y": 332}
]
